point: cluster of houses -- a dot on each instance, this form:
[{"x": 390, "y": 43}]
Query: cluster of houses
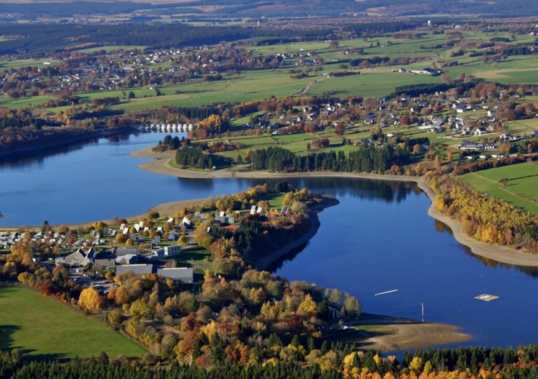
[
  {"x": 56, "y": 239},
  {"x": 424, "y": 71},
  {"x": 456, "y": 125},
  {"x": 88, "y": 266},
  {"x": 475, "y": 146},
  {"x": 301, "y": 58}
]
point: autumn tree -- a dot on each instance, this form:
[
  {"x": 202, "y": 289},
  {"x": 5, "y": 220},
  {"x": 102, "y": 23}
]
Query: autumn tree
[{"x": 90, "y": 300}]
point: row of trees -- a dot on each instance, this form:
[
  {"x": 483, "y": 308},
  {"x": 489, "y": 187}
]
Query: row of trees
[
  {"x": 367, "y": 159},
  {"x": 485, "y": 218},
  {"x": 326, "y": 362},
  {"x": 195, "y": 158}
]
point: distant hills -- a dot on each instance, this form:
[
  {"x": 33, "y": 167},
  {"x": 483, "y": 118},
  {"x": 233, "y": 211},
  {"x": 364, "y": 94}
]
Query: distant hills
[{"x": 240, "y": 9}]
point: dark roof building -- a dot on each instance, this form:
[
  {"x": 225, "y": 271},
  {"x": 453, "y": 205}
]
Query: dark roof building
[
  {"x": 181, "y": 274},
  {"x": 139, "y": 269}
]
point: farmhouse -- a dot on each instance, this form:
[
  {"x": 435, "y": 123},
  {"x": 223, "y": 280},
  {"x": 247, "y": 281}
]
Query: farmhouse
[{"x": 468, "y": 145}]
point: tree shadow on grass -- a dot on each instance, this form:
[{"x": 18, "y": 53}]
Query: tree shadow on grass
[
  {"x": 6, "y": 336},
  {"x": 7, "y": 343}
]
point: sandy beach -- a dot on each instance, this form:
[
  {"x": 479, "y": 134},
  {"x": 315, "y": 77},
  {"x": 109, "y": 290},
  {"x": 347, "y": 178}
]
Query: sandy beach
[
  {"x": 498, "y": 253},
  {"x": 396, "y": 333}
]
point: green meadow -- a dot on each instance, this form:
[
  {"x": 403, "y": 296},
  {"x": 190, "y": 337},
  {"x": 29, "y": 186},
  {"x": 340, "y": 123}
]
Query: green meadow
[
  {"x": 44, "y": 328},
  {"x": 520, "y": 189}
]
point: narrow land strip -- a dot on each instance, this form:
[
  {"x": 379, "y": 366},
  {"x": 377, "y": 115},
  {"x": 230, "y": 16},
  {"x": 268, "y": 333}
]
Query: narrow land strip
[{"x": 498, "y": 253}]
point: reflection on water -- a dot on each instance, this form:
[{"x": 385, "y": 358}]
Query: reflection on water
[
  {"x": 38, "y": 157},
  {"x": 378, "y": 238},
  {"x": 531, "y": 271},
  {"x": 25, "y": 160},
  {"x": 289, "y": 257},
  {"x": 387, "y": 191}
]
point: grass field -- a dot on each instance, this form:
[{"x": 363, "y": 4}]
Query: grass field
[
  {"x": 296, "y": 143},
  {"x": 261, "y": 84},
  {"x": 111, "y": 48},
  {"x": 16, "y": 63},
  {"x": 24, "y": 102},
  {"x": 376, "y": 82},
  {"x": 521, "y": 189},
  {"x": 275, "y": 199},
  {"x": 44, "y": 328}
]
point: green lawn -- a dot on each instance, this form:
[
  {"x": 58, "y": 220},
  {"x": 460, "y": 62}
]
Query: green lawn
[
  {"x": 44, "y": 328},
  {"x": 23, "y": 102},
  {"x": 275, "y": 199},
  {"x": 520, "y": 189},
  {"x": 190, "y": 256}
]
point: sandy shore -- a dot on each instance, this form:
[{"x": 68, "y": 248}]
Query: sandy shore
[
  {"x": 149, "y": 153},
  {"x": 164, "y": 209},
  {"x": 396, "y": 333},
  {"x": 498, "y": 253}
]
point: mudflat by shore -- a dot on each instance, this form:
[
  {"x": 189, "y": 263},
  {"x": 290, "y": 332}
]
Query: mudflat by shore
[
  {"x": 498, "y": 253},
  {"x": 396, "y": 333}
]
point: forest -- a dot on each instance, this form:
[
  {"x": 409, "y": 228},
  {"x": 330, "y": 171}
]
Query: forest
[
  {"x": 367, "y": 159},
  {"x": 483, "y": 217},
  {"x": 195, "y": 158},
  {"x": 460, "y": 363},
  {"x": 43, "y": 39}
]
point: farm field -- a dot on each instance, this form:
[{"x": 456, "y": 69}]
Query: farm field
[
  {"x": 250, "y": 86},
  {"x": 111, "y": 48},
  {"x": 23, "y": 102},
  {"x": 45, "y": 329},
  {"x": 516, "y": 69},
  {"x": 17, "y": 63},
  {"x": 376, "y": 82},
  {"x": 261, "y": 84},
  {"x": 296, "y": 143},
  {"x": 520, "y": 189}
]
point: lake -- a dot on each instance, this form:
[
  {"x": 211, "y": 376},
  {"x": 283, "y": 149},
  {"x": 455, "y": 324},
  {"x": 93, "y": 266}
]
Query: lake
[{"x": 379, "y": 238}]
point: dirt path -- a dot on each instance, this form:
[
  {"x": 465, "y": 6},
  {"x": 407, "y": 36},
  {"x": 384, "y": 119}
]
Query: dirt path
[{"x": 305, "y": 90}]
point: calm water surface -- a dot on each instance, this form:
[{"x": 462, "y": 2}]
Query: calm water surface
[{"x": 379, "y": 238}]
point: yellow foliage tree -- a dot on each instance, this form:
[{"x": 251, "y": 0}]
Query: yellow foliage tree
[{"x": 90, "y": 300}]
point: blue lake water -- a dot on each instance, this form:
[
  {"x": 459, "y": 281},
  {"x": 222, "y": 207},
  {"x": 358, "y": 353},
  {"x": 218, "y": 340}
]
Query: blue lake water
[{"x": 379, "y": 238}]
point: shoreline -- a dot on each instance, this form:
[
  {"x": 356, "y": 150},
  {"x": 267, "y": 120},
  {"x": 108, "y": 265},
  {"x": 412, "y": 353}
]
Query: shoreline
[
  {"x": 83, "y": 137},
  {"x": 263, "y": 263},
  {"x": 501, "y": 254},
  {"x": 398, "y": 333}
]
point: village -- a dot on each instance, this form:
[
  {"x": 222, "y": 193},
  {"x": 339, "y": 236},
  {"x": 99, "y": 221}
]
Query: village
[{"x": 93, "y": 256}]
